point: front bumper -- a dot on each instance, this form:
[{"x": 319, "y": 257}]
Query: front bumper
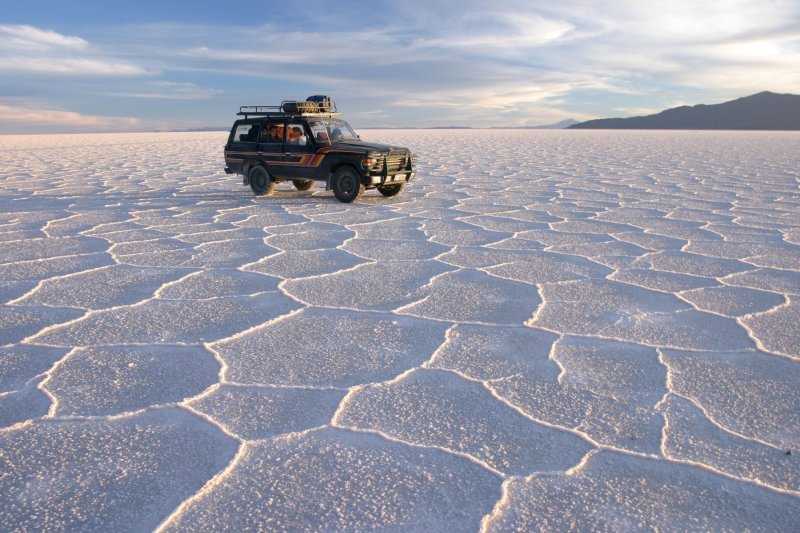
[{"x": 386, "y": 179}]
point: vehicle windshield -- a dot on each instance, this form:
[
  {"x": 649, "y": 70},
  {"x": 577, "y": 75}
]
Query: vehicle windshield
[{"x": 332, "y": 130}]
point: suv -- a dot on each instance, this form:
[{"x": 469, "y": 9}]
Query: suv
[{"x": 305, "y": 142}]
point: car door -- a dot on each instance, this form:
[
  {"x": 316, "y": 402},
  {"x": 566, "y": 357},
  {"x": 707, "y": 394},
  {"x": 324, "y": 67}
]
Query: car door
[
  {"x": 298, "y": 151},
  {"x": 270, "y": 147}
]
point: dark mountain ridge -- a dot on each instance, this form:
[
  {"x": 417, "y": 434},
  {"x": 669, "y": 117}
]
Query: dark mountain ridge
[{"x": 761, "y": 111}]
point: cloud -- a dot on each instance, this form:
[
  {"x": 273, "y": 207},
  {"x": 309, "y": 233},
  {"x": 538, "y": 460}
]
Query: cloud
[
  {"x": 38, "y": 118},
  {"x": 82, "y": 66},
  {"x": 167, "y": 90},
  {"x": 26, "y": 49},
  {"x": 26, "y": 37},
  {"x": 725, "y": 48},
  {"x": 464, "y": 55},
  {"x": 500, "y": 33}
]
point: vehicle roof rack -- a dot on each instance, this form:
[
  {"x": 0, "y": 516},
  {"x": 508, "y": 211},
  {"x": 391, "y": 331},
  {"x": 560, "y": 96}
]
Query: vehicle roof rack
[{"x": 288, "y": 108}]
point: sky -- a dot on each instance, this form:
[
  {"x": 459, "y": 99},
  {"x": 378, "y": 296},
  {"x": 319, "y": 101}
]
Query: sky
[{"x": 144, "y": 65}]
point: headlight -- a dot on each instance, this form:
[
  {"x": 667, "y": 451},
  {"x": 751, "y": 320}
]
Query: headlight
[{"x": 369, "y": 160}]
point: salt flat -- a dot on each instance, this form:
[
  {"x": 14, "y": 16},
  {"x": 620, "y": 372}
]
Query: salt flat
[{"x": 548, "y": 329}]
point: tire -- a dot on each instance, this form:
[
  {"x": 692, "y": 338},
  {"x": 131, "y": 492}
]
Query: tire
[
  {"x": 347, "y": 185},
  {"x": 261, "y": 182},
  {"x": 303, "y": 185},
  {"x": 392, "y": 190}
]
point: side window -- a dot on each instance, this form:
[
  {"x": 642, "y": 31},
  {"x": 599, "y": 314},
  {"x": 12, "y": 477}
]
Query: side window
[
  {"x": 272, "y": 134},
  {"x": 320, "y": 132},
  {"x": 246, "y": 133},
  {"x": 295, "y": 134}
]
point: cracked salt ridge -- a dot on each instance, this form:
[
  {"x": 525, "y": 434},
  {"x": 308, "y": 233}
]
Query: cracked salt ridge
[
  {"x": 733, "y": 301},
  {"x": 439, "y": 408},
  {"x": 260, "y": 412},
  {"x": 100, "y": 288},
  {"x": 624, "y": 213},
  {"x": 762, "y": 325},
  {"x": 121, "y": 474},
  {"x": 329, "y": 348},
  {"x": 20, "y": 364},
  {"x": 372, "y": 286},
  {"x": 751, "y": 395},
  {"x": 616, "y": 310},
  {"x": 18, "y": 323},
  {"x": 23, "y": 405},
  {"x": 168, "y": 321},
  {"x": 602, "y": 389},
  {"x": 118, "y": 379},
  {"x": 692, "y": 435},
  {"x": 620, "y": 492},
  {"x": 474, "y": 296},
  {"x": 343, "y": 480}
]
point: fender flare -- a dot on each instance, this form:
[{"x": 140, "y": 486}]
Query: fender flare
[{"x": 336, "y": 167}]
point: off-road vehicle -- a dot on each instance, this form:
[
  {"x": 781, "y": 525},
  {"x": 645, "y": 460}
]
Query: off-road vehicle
[{"x": 305, "y": 142}]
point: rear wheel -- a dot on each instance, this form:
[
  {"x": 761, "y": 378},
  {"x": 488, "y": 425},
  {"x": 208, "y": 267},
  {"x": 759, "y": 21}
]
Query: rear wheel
[
  {"x": 392, "y": 190},
  {"x": 261, "y": 182},
  {"x": 303, "y": 185},
  {"x": 346, "y": 185}
]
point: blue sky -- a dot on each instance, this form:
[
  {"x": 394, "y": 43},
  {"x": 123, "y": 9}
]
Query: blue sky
[{"x": 86, "y": 65}]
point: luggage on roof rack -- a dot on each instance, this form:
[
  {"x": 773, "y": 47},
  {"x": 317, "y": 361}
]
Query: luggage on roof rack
[
  {"x": 317, "y": 104},
  {"x": 325, "y": 104},
  {"x": 300, "y": 107}
]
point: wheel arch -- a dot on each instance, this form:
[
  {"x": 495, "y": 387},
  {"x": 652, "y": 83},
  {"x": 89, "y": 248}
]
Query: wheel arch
[
  {"x": 247, "y": 167},
  {"x": 261, "y": 189},
  {"x": 336, "y": 166}
]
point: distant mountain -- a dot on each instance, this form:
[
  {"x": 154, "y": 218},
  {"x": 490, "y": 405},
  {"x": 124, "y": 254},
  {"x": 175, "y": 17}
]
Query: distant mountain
[
  {"x": 762, "y": 111},
  {"x": 557, "y": 126}
]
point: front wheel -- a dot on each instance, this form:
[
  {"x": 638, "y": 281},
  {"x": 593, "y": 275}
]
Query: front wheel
[
  {"x": 303, "y": 185},
  {"x": 392, "y": 190},
  {"x": 261, "y": 182},
  {"x": 346, "y": 185}
]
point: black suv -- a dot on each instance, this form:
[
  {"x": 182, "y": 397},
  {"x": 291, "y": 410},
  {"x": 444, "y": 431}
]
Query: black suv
[{"x": 305, "y": 142}]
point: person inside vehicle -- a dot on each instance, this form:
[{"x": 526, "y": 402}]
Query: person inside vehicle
[
  {"x": 295, "y": 135},
  {"x": 275, "y": 134}
]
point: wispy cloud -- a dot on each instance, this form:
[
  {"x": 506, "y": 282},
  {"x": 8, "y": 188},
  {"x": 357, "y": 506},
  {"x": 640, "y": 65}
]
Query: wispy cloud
[
  {"x": 167, "y": 90},
  {"x": 34, "y": 50},
  {"x": 39, "y": 118},
  {"x": 77, "y": 66},
  {"x": 725, "y": 48},
  {"x": 24, "y": 37}
]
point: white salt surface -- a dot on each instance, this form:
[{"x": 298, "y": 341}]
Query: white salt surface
[{"x": 548, "y": 329}]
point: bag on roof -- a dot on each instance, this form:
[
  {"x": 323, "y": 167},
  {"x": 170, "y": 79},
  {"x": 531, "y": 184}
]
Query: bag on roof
[
  {"x": 299, "y": 107},
  {"x": 324, "y": 103}
]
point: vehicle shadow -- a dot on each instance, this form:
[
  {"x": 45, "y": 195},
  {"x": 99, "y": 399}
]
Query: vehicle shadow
[{"x": 73, "y": 200}]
